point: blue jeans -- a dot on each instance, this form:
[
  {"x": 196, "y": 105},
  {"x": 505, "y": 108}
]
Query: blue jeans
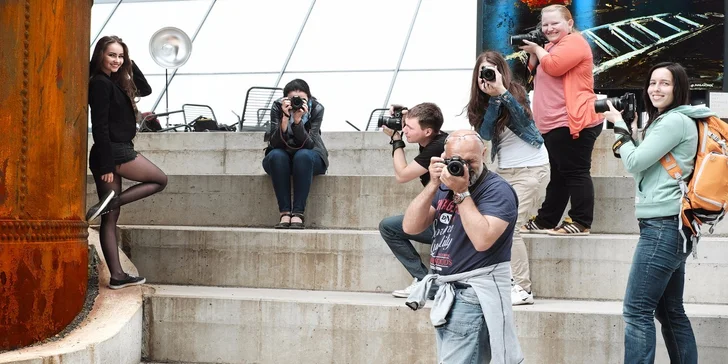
[
  {"x": 303, "y": 165},
  {"x": 655, "y": 289},
  {"x": 391, "y": 230},
  {"x": 464, "y": 338}
]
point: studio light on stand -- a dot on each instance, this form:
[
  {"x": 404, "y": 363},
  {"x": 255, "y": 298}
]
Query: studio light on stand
[{"x": 169, "y": 47}]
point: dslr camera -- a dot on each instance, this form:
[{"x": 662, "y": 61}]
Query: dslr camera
[
  {"x": 393, "y": 122},
  {"x": 535, "y": 36},
  {"x": 627, "y": 104},
  {"x": 456, "y": 166},
  {"x": 487, "y": 73},
  {"x": 296, "y": 103}
]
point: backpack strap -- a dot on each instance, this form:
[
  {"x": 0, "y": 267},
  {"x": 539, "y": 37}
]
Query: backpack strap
[{"x": 670, "y": 164}]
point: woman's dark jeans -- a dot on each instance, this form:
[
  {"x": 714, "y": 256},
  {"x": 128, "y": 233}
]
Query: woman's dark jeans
[
  {"x": 570, "y": 161},
  {"x": 302, "y": 165},
  {"x": 655, "y": 289}
]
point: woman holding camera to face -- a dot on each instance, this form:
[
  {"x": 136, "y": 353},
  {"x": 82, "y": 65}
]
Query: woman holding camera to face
[
  {"x": 295, "y": 149},
  {"x": 657, "y": 277},
  {"x": 563, "y": 107},
  {"x": 499, "y": 111}
]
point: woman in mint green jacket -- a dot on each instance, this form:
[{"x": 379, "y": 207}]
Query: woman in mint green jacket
[{"x": 657, "y": 277}]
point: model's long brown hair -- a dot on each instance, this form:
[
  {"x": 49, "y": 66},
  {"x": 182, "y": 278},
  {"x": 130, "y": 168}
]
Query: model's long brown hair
[
  {"x": 123, "y": 77},
  {"x": 479, "y": 99}
]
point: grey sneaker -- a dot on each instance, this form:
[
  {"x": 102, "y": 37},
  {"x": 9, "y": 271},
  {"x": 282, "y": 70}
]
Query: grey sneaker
[{"x": 404, "y": 293}]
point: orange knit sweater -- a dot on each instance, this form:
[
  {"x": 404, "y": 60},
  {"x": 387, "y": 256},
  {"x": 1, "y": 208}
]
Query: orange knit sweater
[{"x": 572, "y": 58}]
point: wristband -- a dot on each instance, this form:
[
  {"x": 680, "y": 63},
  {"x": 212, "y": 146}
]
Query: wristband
[{"x": 396, "y": 144}]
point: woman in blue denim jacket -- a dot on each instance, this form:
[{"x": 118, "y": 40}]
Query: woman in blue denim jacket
[{"x": 499, "y": 110}]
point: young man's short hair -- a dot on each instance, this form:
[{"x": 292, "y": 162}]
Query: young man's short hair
[{"x": 429, "y": 115}]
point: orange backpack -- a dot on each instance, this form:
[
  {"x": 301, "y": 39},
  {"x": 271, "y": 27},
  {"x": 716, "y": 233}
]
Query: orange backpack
[{"x": 705, "y": 196}]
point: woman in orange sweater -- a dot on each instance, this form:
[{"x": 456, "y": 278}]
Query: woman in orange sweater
[{"x": 563, "y": 108}]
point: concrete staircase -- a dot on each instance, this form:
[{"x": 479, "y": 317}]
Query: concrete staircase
[{"x": 228, "y": 289}]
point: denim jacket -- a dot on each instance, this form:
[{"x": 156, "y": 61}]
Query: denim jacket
[{"x": 520, "y": 124}]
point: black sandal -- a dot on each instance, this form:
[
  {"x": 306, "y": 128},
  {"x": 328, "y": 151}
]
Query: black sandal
[
  {"x": 282, "y": 224},
  {"x": 297, "y": 225}
]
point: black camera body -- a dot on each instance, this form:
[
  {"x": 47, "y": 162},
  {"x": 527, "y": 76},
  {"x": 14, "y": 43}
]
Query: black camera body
[
  {"x": 535, "y": 36},
  {"x": 627, "y": 104},
  {"x": 487, "y": 73},
  {"x": 296, "y": 103},
  {"x": 456, "y": 166},
  {"x": 393, "y": 122}
]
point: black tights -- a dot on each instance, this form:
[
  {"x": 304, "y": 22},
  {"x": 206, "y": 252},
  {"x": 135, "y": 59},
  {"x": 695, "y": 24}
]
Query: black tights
[{"x": 152, "y": 180}]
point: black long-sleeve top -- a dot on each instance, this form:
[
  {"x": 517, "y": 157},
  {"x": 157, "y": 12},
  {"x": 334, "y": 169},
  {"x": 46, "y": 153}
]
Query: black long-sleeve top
[
  {"x": 308, "y": 135},
  {"x": 112, "y": 116}
]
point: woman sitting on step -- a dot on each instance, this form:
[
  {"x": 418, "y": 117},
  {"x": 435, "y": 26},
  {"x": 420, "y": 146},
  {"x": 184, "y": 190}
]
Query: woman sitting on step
[
  {"x": 295, "y": 149},
  {"x": 657, "y": 277}
]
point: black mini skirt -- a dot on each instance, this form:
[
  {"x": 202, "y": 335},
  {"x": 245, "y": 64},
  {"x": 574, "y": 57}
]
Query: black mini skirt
[{"x": 122, "y": 152}]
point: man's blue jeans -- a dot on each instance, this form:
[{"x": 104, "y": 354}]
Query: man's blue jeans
[
  {"x": 655, "y": 289},
  {"x": 391, "y": 230},
  {"x": 464, "y": 338},
  {"x": 303, "y": 165}
]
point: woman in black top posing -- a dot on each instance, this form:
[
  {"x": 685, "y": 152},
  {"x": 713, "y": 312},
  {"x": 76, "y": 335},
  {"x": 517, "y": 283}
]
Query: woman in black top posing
[{"x": 115, "y": 83}]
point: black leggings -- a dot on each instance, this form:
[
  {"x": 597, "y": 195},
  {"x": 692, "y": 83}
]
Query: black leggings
[
  {"x": 152, "y": 181},
  {"x": 570, "y": 161}
]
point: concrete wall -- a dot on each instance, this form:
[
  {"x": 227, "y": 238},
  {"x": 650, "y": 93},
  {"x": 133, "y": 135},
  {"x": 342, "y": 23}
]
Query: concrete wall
[
  {"x": 200, "y": 324},
  {"x": 583, "y": 268},
  {"x": 350, "y": 153},
  {"x": 336, "y": 202}
]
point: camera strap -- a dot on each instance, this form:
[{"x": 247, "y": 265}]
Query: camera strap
[
  {"x": 626, "y": 137},
  {"x": 283, "y": 138}
]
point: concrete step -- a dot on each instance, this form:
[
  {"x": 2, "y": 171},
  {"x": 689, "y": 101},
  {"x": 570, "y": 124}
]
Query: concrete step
[
  {"x": 350, "y": 153},
  {"x": 597, "y": 267},
  {"x": 335, "y": 202},
  {"x": 333, "y": 260},
  {"x": 244, "y": 325},
  {"x": 593, "y": 267}
]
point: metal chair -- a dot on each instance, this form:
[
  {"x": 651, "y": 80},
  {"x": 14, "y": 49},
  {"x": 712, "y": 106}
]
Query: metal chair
[
  {"x": 194, "y": 111},
  {"x": 256, "y": 112},
  {"x": 374, "y": 116}
]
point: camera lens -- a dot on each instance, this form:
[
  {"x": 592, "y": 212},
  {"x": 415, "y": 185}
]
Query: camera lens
[
  {"x": 390, "y": 122},
  {"x": 601, "y": 106},
  {"x": 383, "y": 120},
  {"x": 487, "y": 73},
  {"x": 296, "y": 103},
  {"x": 456, "y": 168},
  {"x": 517, "y": 40}
]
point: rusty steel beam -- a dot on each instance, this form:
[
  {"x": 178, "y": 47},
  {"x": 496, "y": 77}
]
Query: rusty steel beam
[{"x": 43, "y": 130}]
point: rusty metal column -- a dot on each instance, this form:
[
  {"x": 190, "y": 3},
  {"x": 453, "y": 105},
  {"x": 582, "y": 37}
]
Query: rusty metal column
[{"x": 43, "y": 130}]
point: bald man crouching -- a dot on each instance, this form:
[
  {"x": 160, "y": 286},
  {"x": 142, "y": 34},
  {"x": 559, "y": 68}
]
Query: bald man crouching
[{"x": 474, "y": 212}]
